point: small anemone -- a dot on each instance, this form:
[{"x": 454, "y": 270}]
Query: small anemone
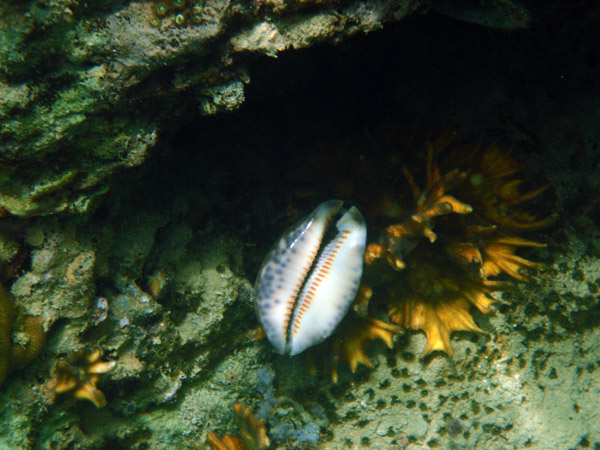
[
  {"x": 253, "y": 433},
  {"x": 438, "y": 300},
  {"x": 450, "y": 273},
  {"x": 80, "y": 374},
  {"x": 350, "y": 344}
]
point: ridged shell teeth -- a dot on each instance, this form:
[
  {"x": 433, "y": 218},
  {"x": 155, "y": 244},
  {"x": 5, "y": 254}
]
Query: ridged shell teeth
[{"x": 303, "y": 290}]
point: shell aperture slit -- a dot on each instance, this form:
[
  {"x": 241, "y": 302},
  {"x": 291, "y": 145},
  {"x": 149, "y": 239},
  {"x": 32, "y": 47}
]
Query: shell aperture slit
[{"x": 303, "y": 291}]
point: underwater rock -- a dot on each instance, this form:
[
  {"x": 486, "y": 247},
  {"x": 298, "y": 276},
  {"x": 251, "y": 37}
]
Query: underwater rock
[
  {"x": 94, "y": 82},
  {"x": 60, "y": 281}
]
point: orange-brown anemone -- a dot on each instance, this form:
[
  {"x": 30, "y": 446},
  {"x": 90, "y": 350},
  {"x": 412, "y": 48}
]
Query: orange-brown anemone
[
  {"x": 451, "y": 272},
  {"x": 80, "y": 374},
  {"x": 253, "y": 433},
  {"x": 350, "y": 343},
  {"x": 495, "y": 192},
  {"x": 437, "y": 299},
  {"x": 470, "y": 210}
]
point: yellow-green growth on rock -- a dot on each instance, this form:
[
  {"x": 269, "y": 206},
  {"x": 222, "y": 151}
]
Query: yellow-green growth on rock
[
  {"x": 6, "y": 320},
  {"x": 23, "y": 355},
  {"x": 16, "y": 356}
]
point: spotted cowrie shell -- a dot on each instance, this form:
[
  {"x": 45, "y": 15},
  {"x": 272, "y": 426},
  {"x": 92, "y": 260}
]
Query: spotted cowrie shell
[{"x": 304, "y": 289}]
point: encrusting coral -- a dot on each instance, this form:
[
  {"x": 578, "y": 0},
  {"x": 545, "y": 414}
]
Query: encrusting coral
[
  {"x": 80, "y": 374},
  {"x": 17, "y": 355},
  {"x": 253, "y": 433},
  {"x": 471, "y": 198}
]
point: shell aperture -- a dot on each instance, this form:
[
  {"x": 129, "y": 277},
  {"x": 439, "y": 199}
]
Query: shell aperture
[{"x": 303, "y": 291}]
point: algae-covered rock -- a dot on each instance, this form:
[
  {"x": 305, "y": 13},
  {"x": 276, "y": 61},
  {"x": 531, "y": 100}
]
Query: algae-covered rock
[
  {"x": 60, "y": 282},
  {"x": 176, "y": 335},
  {"x": 85, "y": 86}
]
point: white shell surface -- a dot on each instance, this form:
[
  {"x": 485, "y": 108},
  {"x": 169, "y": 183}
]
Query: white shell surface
[
  {"x": 294, "y": 320},
  {"x": 332, "y": 286}
]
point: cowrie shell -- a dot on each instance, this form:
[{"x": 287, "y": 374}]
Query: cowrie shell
[{"x": 303, "y": 289}]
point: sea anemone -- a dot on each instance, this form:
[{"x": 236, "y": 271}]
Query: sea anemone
[
  {"x": 468, "y": 204},
  {"x": 253, "y": 433},
  {"x": 80, "y": 374},
  {"x": 350, "y": 343}
]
